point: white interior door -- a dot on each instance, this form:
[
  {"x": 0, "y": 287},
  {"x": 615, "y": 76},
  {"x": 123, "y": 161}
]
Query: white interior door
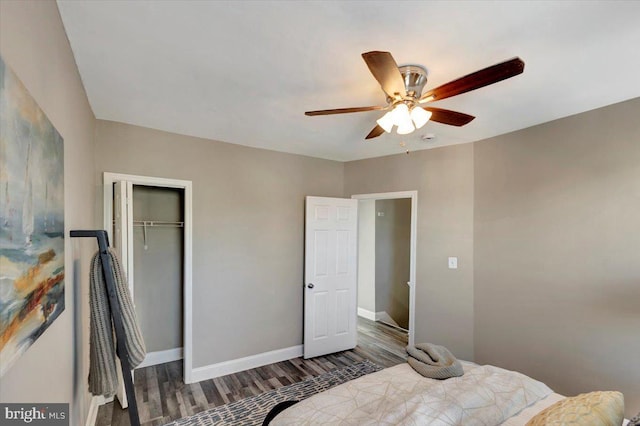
[
  {"x": 123, "y": 245},
  {"x": 123, "y": 226},
  {"x": 330, "y": 299}
]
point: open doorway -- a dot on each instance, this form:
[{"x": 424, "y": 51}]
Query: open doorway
[{"x": 386, "y": 258}]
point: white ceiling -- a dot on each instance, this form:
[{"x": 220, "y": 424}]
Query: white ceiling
[{"x": 245, "y": 72}]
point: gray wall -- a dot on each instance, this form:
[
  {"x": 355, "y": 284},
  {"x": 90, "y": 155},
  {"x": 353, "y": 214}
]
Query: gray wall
[
  {"x": 248, "y": 223},
  {"x": 158, "y": 270},
  {"x": 392, "y": 247},
  {"x": 557, "y": 252},
  {"x": 34, "y": 44},
  {"x": 443, "y": 178},
  {"x": 367, "y": 255}
]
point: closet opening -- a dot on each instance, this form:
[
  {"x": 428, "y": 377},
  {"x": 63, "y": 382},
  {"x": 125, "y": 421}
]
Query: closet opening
[
  {"x": 156, "y": 274},
  {"x": 149, "y": 224}
]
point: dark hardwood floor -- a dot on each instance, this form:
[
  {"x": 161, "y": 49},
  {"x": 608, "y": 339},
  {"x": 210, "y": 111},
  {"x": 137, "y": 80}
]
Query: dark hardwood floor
[{"x": 162, "y": 395}]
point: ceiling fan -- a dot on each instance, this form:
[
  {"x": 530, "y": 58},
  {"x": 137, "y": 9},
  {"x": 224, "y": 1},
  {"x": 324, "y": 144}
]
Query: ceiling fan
[{"x": 403, "y": 87}]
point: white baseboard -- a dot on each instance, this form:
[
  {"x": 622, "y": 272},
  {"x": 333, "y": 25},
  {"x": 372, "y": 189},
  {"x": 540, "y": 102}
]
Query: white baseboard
[
  {"x": 94, "y": 405},
  {"x": 93, "y": 411},
  {"x": 385, "y": 318},
  {"x": 364, "y": 313},
  {"x": 233, "y": 366},
  {"x": 160, "y": 357}
]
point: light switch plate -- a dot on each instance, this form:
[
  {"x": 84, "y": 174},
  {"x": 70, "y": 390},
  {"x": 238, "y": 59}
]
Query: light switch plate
[{"x": 453, "y": 263}]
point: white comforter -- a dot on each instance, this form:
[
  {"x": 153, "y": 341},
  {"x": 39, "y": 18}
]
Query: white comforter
[{"x": 484, "y": 395}]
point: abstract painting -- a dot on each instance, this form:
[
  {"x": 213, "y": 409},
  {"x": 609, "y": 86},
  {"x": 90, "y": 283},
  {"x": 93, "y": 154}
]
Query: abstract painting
[{"x": 31, "y": 220}]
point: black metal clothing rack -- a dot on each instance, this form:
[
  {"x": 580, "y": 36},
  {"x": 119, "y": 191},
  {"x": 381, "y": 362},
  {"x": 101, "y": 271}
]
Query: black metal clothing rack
[{"x": 114, "y": 305}]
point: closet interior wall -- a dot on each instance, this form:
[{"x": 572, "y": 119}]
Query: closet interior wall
[{"x": 158, "y": 266}]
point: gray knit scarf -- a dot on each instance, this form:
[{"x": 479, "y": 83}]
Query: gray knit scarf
[
  {"x": 433, "y": 361},
  {"x": 103, "y": 377}
]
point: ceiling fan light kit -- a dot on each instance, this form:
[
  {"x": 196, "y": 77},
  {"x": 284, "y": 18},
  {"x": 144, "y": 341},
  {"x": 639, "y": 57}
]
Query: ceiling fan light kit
[
  {"x": 403, "y": 87},
  {"x": 406, "y": 121}
]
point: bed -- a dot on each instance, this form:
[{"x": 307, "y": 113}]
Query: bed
[{"x": 484, "y": 395}]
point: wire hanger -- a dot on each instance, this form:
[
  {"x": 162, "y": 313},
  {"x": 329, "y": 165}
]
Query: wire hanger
[{"x": 144, "y": 234}]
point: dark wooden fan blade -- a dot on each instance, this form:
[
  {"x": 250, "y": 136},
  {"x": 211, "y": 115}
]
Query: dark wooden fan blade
[
  {"x": 385, "y": 70},
  {"x": 446, "y": 116},
  {"x": 377, "y": 131},
  {"x": 476, "y": 80},
  {"x": 343, "y": 110}
]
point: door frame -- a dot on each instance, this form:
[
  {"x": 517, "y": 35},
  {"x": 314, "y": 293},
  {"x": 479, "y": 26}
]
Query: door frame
[
  {"x": 413, "y": 195},
  {"x": 108, "y": 180}
]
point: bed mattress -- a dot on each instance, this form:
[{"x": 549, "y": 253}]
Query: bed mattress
[{"x": 484, "y": 395}]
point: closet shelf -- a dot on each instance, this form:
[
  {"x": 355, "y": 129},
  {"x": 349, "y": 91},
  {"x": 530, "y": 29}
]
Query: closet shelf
[{"x": 157, "y": 223}]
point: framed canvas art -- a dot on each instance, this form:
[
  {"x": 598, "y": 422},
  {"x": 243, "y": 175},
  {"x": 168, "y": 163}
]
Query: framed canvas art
[{"x": 31, "y": 220}]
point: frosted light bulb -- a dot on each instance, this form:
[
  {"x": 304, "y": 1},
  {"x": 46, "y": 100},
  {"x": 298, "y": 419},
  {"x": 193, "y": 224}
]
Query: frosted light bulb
[
  {"x": 386, "y": 121},
  {"x": 401, "y": 116},
  {"x": 406, "y": 128},
  {"x": 420, "y": 116}
]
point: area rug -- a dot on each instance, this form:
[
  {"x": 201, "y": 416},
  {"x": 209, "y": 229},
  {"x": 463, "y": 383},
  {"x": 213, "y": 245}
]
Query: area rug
[{"x": 252, "y": 411}]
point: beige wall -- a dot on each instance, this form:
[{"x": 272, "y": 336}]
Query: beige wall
[
  {"x": 443, "y": 178},
  {"x": 248, "y": 227},
  {"x": 557, "y": 252},
  {"x": 367, "y": 255},
  {"x": 34, "y": 44},
  {"x": 393, "y": 249}
]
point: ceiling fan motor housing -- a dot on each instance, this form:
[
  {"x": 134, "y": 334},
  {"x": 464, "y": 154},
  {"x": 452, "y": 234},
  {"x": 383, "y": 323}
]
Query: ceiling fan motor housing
[{"x": 415, "y": 78}]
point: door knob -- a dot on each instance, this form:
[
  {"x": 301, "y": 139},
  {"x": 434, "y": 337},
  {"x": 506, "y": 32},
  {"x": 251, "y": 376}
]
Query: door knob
[{"x": 310, "y": 285}]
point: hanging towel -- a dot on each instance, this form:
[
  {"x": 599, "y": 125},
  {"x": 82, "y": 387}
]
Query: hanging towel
[
  {"x": 103, "y": 377},
  {"x": 433, "y": 361}
]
